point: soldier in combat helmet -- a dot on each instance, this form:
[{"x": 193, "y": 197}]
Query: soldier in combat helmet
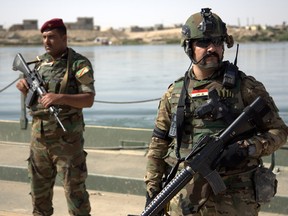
[
  {"x": 69, "y": 82},
  {"x": 203, "y": 38}
]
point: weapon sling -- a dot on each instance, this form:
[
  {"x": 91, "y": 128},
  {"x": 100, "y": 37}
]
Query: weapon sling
[
  {"x": 64, "y": 82},
  {"x": 180, "y": 115}
]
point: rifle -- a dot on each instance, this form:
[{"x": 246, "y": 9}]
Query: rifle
[
  {"x": 206, "y": 151},
  {"x": 36, "y": 85}
]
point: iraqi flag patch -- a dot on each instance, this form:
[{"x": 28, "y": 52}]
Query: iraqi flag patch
[{"x": 202, "y": 93}]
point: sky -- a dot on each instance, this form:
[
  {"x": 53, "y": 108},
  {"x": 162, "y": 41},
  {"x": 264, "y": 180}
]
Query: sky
[{"x": 126, "y": 13}]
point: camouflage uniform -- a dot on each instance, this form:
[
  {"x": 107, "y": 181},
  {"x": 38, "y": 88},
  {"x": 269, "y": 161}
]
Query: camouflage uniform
[
  {"x": 196, "y": 197},
  {"x": 52, "y": 151}
]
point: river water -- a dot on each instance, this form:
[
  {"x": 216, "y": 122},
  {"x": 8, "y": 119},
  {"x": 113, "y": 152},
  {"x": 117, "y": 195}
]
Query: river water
[{"x": 127, "y": 76}]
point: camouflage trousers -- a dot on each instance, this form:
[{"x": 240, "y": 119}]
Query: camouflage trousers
[
  {"x": 63, "y": 156},
  {"x": 197, "y": 199}
]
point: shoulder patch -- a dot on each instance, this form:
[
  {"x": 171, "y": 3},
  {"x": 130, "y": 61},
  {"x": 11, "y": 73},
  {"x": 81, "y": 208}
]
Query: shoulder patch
[
  {"x": 84, "y": 76},
  {"x": 82, "y": 71}
]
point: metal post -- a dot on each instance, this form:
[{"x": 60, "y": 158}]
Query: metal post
[{"x": 23, "y": 118}]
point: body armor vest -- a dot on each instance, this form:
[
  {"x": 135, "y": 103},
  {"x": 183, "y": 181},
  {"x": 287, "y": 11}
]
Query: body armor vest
[{"x": 198, "y": 95}]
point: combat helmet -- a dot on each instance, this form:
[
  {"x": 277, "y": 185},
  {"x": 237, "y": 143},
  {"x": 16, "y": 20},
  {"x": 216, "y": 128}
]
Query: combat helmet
[{"x": 204, "y": 24}]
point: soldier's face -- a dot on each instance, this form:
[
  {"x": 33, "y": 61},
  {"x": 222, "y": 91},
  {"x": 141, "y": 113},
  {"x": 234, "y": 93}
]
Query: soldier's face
[
  {"x": 55, "y": 43},
  {"x": 210, "y": 55}
]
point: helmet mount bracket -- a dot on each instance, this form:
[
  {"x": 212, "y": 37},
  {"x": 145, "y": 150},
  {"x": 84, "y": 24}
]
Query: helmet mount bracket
[{"x": 206, "y": 26}]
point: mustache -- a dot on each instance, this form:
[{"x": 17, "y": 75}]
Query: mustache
[
  {"x": 207, "y": 55},
  {"x": 210, "y": 55}
]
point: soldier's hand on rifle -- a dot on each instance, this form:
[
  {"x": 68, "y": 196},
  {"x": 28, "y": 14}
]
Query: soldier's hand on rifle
[
  {"x": 234, "y": 154},
  {"x": 22, "y": 86},
  {"x": 49, "y": 99}
]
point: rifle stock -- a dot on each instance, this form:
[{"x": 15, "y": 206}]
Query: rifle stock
[
  {"x": 201, "y": 161},
  {"x": 35, "y": 83}
]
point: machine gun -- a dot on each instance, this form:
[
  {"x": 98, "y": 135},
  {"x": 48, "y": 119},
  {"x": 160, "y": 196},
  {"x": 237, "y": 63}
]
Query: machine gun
[
  {"x": 207, "y": 150},
  {"x": 36, "y": 86}
]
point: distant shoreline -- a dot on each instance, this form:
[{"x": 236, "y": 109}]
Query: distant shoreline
[{"x": 118, "y": 37}]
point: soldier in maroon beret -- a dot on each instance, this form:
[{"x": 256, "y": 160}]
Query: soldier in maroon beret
[{"x": 69, "y": 81}]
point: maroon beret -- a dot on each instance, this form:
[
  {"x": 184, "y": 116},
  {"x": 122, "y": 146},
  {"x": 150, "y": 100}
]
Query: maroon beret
[{"x": 51, "y": 24}]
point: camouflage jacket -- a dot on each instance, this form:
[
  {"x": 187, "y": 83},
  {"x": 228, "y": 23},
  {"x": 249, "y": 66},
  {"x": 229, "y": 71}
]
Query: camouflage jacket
[
  {"x": 80, "y": 80},
  {"x": 160, "y": 149}
]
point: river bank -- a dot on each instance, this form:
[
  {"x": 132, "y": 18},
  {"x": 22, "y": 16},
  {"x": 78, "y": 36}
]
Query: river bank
[{"x": 121, "y": 37}]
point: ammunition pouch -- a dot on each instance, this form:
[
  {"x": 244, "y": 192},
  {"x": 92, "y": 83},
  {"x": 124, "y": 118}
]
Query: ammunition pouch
[
  {"x": 265, "y": 184},
  {"x": 42, "y": 114}
]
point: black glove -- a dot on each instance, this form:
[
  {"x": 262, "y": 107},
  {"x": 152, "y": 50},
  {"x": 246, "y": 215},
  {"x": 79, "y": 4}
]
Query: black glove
[
  {"x": 149, "y": 200},
  {"x": 233, "y": 155}
]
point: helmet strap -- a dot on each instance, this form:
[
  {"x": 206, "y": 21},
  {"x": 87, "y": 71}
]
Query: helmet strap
[{"x": 189, "y": 51}]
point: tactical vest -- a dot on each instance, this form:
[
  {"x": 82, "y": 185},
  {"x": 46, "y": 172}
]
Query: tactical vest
[{"x": 195, "y": 127}]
